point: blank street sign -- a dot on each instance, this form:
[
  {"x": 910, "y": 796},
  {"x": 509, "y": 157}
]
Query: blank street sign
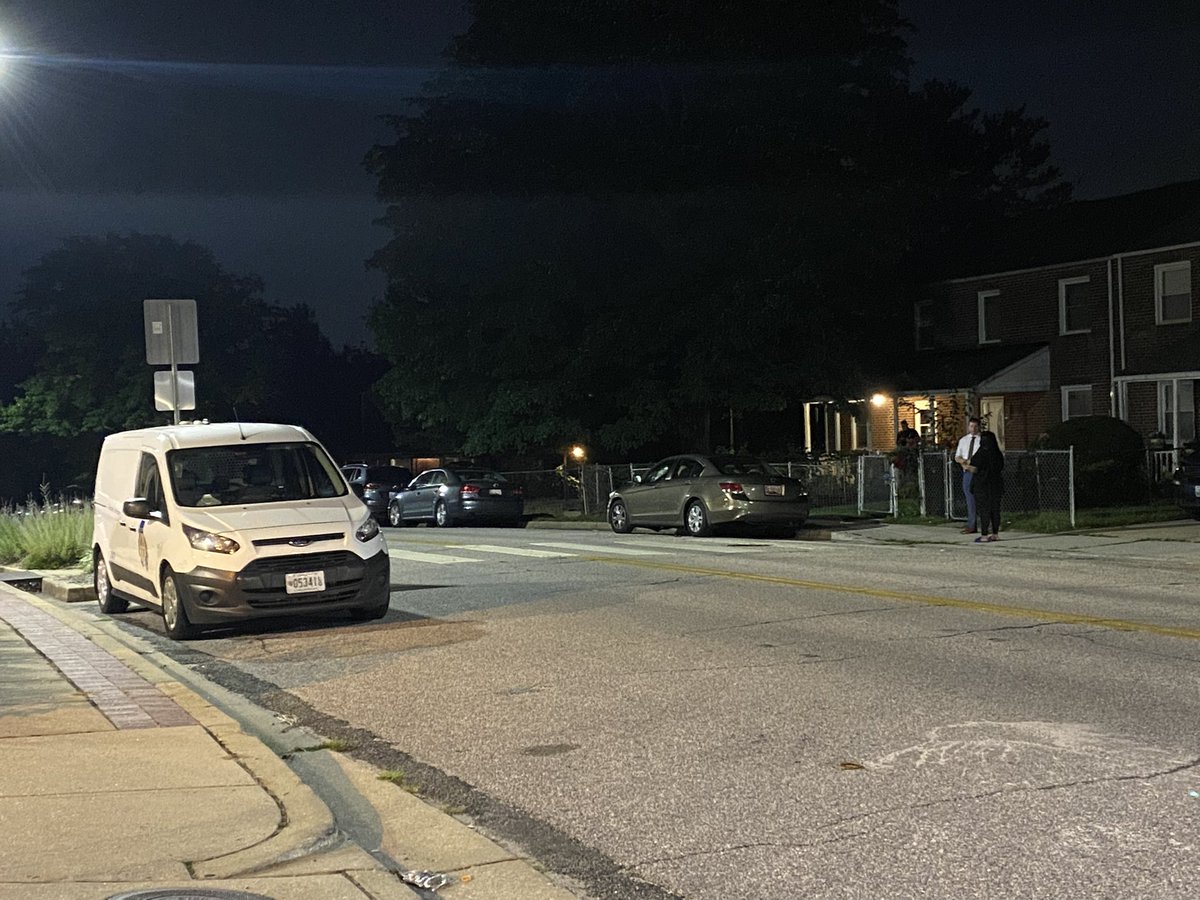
[
  {"x": 185, "y": 391},
  {"x": 171, "y": 322}
]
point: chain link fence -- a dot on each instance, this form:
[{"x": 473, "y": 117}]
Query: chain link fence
[{"x": 876, "y": 484}]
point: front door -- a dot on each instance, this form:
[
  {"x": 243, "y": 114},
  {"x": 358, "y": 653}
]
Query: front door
[{"x": 991, "y": 411}]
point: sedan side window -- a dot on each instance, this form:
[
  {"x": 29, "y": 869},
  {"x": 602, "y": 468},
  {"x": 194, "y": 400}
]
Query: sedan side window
[
  {"x": 658, "y": 473},
  {"x": 438, "y": 477},
  {"x": 421, "y": 480},
  {"x": 689, "y": 468}
]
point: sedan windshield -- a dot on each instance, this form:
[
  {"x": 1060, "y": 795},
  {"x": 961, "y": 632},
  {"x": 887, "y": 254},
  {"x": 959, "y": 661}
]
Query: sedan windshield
[
  {"x": 252, "y": 473},
  {"x": 742, "y": 465}
]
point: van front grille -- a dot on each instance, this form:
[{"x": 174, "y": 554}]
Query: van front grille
[
  {"x": 299, "y": 540},
  {"x": 263, "y": 580}
]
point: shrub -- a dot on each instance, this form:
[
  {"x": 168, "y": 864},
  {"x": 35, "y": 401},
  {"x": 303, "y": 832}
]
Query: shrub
[
  {"x": 56, "y": 536},
  {"x": 1110, "y": 460}
]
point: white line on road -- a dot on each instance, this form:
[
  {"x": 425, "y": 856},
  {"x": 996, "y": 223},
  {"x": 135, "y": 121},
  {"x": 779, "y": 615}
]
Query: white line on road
[
  {"x": 698, "y": 546},
  {"x": 515, "y": 551},
  {"x": 599, "y": 548},
  {"x": 436, "y": 559}
]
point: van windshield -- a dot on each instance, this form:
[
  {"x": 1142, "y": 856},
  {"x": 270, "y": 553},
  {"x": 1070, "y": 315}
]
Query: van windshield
[{"x": 237, "y": 474}]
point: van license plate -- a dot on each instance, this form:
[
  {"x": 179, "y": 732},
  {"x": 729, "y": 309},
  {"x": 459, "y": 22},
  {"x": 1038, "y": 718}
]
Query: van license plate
[
  {"x": 304, "y": 582},
  {"x": 775, "y": 490}
]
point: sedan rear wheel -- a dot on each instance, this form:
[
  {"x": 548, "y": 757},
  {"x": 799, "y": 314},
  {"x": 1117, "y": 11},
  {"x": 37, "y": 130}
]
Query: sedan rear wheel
[
  {"x": 395, "y": 517},
  {"x": 695, "y": 520},
  {"x": 441, "y": 515},
  {"x": 618, "y": 517}
]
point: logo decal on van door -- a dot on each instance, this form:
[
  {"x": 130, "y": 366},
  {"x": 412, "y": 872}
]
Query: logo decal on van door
[{"x": 143, "y": 550}]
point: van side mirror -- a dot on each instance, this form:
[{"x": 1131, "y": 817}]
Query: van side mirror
[{"x": 137, "y": 508}]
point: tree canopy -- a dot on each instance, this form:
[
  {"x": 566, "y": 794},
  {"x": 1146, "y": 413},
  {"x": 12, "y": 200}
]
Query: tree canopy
[
  {"x": 617, "y": 219},
  {"x": 78, "y": 319}
]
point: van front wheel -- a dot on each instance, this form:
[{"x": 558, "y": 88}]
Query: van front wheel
[
  {"x": 174, "y": 615},
  {"x": 109, "y": 602}
]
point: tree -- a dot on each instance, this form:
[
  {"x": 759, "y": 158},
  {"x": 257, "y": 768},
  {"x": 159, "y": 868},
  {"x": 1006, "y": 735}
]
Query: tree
[
  {"x": 618, "y": 219},
  {"x": 79, "y": 313}
]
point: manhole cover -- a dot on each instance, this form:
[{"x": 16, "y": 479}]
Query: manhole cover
[{"x": 185, "y": 893}]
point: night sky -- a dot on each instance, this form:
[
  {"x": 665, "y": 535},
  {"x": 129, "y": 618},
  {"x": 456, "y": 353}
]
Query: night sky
[{"x": 242, "y": 125}]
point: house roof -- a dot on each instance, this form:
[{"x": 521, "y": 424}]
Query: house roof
[
  {"x": 1086, "y": 229},
  {"x": 954, "y": 370}
]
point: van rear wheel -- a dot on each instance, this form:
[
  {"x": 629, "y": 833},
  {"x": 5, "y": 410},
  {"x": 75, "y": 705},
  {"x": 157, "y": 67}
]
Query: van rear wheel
[
  {"x": 174, "y": 615},
  {"x": 109, "y": 602}
]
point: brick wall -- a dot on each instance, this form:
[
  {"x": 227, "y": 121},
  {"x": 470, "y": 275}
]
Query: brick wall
[{"x": 1150, "y": 347}]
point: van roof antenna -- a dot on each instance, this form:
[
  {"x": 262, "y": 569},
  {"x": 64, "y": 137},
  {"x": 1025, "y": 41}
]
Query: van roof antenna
[{"x": 237, "y": 419}]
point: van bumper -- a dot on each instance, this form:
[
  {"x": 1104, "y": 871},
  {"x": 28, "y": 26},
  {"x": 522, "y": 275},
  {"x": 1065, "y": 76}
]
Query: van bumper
[{"x": 212, "y": 596}]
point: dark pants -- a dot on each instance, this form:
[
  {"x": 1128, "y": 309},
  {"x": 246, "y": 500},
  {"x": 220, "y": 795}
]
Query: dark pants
[{"x": 988, "y": 502}]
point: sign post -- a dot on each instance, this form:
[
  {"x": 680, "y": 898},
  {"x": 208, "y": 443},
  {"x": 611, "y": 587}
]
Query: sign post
[{"x": 172, "y": 339}]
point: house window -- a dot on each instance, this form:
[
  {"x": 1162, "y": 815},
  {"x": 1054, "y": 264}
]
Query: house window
[
  {"x": 923, "y": 324},
  {"x": 989, "y": 305},
  {"x": 1173, "y": 293},
  {"x": 1076, "y": 401},
  {"x": 1074, "y": 316},
  {"x": 1187, "y": 411}
]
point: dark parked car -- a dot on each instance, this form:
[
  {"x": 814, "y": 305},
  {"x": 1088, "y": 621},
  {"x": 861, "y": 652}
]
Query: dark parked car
[
  {"x": 376, "y": 484},
  {"x": 696, "y": 493},
  {"x": 452, "y": 496},
  {"x": 1187, "y": 480}
]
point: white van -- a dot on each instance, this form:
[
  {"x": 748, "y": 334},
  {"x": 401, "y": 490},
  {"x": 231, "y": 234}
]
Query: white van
[{"x": 216, "y": 523}]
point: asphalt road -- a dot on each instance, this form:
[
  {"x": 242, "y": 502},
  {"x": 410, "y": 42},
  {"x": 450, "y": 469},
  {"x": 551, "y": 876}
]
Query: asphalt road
[{"x": 656, "y": 716}]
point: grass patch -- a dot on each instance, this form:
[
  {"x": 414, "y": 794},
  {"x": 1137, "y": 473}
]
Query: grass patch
[
  {"x": 1092, "y": 519},
  {"x": 400, "y": 779},
  {"x": 52, "y": 536}
]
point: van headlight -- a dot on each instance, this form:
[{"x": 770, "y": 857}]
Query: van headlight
[
  {"x": 213, "y": 543},
  {"x": 367, "y": 530}
]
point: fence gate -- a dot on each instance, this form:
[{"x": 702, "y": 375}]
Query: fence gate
[{"x": 876, "y": 485}]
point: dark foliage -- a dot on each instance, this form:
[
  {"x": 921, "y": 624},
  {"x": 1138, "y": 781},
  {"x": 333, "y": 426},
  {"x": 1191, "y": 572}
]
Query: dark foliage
[{"x": 1110, "y": 459}]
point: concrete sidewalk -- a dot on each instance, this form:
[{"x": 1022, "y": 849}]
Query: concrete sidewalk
[
  {"x": 118, "y": 778},
  {"x": 1174, "y": 540}
]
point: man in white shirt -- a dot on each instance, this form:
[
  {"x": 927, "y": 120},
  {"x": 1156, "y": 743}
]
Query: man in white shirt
[{"x": 967, "y": 446}]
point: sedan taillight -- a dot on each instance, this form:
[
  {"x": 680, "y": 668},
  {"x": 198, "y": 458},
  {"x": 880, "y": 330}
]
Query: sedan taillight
[
  {"x": 734, "y": 489},
  {"x": 468, "y": 490}
]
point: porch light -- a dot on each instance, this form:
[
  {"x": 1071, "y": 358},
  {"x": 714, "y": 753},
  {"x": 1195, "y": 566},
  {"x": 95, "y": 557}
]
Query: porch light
[{"x": 878, "y": 399}]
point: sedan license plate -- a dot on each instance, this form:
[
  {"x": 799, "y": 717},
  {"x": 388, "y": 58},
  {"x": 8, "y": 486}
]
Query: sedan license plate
[
  {"x": 775, "y": 490},
  {"x": 496, "y": 491},
  {"x": 1196, "y": 488},
  {"x": 304, "y": 582}
]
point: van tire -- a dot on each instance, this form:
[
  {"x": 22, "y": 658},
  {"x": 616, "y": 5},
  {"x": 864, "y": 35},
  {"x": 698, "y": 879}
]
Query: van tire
[
  {"x": 174, "y": 614},
  {"x": 109, "y": 602}
]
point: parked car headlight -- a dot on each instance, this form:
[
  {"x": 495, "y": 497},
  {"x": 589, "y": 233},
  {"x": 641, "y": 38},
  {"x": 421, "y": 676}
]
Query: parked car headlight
[
  {"x": 367, "y": 530},
  {"x": 213, "y": 543}
]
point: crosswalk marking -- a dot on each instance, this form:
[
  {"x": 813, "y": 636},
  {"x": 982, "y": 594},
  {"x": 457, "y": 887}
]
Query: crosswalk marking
[
  {"x": 440, "y": 559},
  {"x": 695, "y": 546},
  {"x": 515, "y": 551},
  {"x": 599, "y": 548}
]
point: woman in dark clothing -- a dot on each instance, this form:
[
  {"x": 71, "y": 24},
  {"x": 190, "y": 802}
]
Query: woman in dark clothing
[{"x": 988, "y": 485}]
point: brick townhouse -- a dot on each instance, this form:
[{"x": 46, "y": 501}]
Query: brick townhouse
[{"x": 1087, "y": 310}]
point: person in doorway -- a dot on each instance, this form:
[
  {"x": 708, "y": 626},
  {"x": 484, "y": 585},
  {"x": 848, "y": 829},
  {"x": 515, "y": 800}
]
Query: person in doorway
[
  {"x": 987, "y": 483},
  {"x": 967, "y": 446},
  {"x": 907, "y": 437}
]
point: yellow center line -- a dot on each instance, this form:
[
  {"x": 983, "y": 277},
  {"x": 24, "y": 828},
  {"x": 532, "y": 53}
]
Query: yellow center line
[{"x": 1022, "y": 612}]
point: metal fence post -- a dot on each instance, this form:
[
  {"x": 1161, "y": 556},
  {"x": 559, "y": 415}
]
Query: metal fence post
[
  {"x": 1071, "y": 480},
  {"x": 862, "y": 471},
  {"x": 921, "y": 480}
]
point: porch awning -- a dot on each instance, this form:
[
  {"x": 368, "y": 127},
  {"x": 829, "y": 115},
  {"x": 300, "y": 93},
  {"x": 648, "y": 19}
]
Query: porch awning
[{"x": 991, "y": 369}]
